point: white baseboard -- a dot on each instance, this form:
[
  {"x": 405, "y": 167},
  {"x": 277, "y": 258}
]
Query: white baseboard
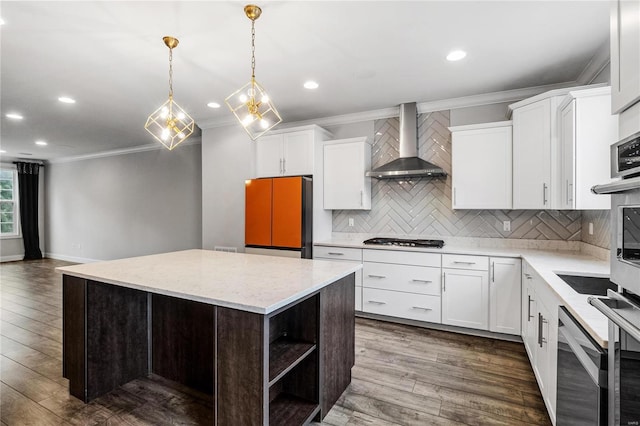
[
  {"x": 70, "y": 258},
  {"x": 11, "y": 258}
]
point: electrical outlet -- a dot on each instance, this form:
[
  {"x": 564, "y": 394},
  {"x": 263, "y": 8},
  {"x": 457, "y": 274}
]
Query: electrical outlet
[
  {"x": 351, "y": 222},
  {"x": 590, "y": 228},
  {"x": 506, "y": 226}
]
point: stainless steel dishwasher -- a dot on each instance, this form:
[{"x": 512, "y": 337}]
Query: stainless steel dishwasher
[{"x": 582, "y": 375}]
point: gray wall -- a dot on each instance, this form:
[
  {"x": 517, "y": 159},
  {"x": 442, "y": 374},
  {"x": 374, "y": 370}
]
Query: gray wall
[
  {"x": 480, "y": 114},
  {"x": 13, "y": 248},
  {"x": 228, "y": 159},
  {"x": 604, "y": 76},
  {"x": 125, "y": 205}
]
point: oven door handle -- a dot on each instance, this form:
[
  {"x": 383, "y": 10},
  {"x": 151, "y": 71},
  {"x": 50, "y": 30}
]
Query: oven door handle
[
  {"x": 598, "y": 376},
  {"x": 617, "y": 186},
  {"x": 614, "y": 316}
]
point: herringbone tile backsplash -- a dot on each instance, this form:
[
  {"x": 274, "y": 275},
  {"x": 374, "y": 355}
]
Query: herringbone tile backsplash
[{"x": 423, "y": 206}]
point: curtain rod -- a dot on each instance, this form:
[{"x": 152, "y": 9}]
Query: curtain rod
[{"x": 40, "y": 162}]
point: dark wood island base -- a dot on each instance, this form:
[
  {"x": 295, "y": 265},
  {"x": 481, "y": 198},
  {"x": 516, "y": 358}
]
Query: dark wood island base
[{"x": 287, "y": 367}]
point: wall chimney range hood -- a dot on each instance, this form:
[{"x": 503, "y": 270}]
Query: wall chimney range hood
[{"x": 408, "y": 165}]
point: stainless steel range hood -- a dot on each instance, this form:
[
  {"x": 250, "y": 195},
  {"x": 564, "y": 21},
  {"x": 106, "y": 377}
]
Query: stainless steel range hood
[{"x": 408, "y": 165}]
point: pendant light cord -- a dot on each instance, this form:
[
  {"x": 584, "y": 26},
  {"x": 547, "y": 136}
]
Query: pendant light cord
[
  {"x": 253, "y": 49},
  {"x": 170, "y": 73}
]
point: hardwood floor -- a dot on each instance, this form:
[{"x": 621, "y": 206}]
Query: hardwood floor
[{"x": 402, "y": 376}]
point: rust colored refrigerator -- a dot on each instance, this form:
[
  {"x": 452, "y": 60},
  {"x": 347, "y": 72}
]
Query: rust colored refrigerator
[{"x": 278, "y": 216}]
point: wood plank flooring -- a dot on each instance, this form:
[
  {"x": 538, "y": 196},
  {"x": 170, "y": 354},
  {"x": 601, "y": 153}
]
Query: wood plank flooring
[{"x": 402, "y": 376}]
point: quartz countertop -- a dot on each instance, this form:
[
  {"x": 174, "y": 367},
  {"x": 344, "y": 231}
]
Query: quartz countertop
[
  {"x": 547, "y": 263},
  {"x": 248, "y": 282}
]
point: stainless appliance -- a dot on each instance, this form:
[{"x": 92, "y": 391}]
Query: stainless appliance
[
  {"x": 408, "y": 165},
  {"x": 582, "y": 375},
  {"x": 623, "y": 308},
  {"x": 404, "y": 242}
]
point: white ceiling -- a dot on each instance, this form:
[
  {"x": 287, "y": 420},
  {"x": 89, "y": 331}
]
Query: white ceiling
[{"x": 365, "y": 55}]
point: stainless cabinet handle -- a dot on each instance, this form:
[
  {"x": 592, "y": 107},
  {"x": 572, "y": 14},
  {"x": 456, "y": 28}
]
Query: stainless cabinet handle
[
  {"x": 493, "y": 272},
  {"x": 420, "y": 307},
  {"x": 544, "y": 193},
  {"x": 529, "y": 277},
  {"x": 464, "y": 263},
  {"x": 444, "y": 281},
  {"x": 376, "y": 276},
  {"x": 281, "y": 169},
  {"x": 415, "y": 280},
  {"x": 539, "y": 329},
  {"x": 455, "y": 202},
  {"x": 529, "y": 316},
  {"x": 567, "y": 191},
  {"x": 335, "y": 253},
  {"x": 542, "y": 339},
  {"x": 571, "y": 192},
  {"x": 284, "y": 165},
  {"x": 375, "y": 302},
  {"x": 361, "y": 198}
]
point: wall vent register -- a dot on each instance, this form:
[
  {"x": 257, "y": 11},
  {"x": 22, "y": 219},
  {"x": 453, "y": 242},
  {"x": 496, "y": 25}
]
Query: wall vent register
[{"x": 404, "y": 242}]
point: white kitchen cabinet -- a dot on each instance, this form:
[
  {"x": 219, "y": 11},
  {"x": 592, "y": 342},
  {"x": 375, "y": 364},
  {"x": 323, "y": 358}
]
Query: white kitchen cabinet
[
  {"x": 482, "y": 166},
  {"x": 345, "y": 185},
  {"x": 587, "y": 129},
  {"x": 534, "y": 142},
  {"x": 344, "y": 254},
  {"x": 398, "y": 284},
  {"x": 540, "y": 334},
  {"x": 465, "y": 298},
  {"x": 505, "y": 295},
  {"x": 625, "y": 54},
  {"x": 288, "y": 152}
]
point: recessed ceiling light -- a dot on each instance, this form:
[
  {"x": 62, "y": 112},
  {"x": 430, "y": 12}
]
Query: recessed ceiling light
[
  {"x": 66, "y": 100},
  {"x": 41, "y": 143},
  {"x": 1, "y": 21},
  {"x": 456, "y": 55},
  {"x": 311, "y": 85},
  {"x": 213, "y": 105},
  {"x": 14, "y": 116}
]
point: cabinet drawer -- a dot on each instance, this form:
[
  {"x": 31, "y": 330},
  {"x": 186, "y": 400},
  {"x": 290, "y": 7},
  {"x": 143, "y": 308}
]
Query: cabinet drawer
[
  {"x": 338, "y": 253},
  {"x": 402, "y": 257},
  {"x": 402, "y": 305},
  {"x": 461, "y": 261},
  {"x": 411, "y": 279}
]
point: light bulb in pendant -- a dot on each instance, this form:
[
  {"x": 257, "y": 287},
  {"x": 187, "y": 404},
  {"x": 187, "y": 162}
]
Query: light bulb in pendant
[
  {"x": 181, "y": 135},
  {"x": 243, "y": 98},
  {"x": 164, "y": 113},
  {"x": 165, "y": 134},
  {"x": 247, "y": 120},
  {"x": 265, "y": 98},
  {"x": 264, "y": 123},
  {"x": 181, "y": 115}
]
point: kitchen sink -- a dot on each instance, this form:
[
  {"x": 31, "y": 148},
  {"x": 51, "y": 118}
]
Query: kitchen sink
[{"x": 596, "y": 286}]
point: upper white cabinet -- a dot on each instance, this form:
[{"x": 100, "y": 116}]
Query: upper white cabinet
[
  {"x": 534, "y": 149},
  {"x": 625, "y": 54},
  {"x": 288, "y": 152},
  {"x": 587, "y": 129},
  {"x": 482, "y": 166},
  {"x": 345, "y": 185}
]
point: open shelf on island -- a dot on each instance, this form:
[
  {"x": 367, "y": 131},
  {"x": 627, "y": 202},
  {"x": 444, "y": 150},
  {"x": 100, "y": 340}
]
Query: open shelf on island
[
  {"x": 284, "y": 354},
  {"x": 290, "y": 410}
]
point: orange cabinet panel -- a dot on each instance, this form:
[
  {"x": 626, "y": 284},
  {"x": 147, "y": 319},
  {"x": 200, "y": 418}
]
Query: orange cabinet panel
[
  {"x": 287, "y": 212},
  {"x": 257, "y": 224}
]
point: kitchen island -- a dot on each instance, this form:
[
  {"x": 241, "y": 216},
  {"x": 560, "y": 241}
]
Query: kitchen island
[{"x": 271, "y": 339}]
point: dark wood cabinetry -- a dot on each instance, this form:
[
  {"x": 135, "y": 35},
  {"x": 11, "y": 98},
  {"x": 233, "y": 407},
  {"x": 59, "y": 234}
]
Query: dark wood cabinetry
[{"x": 283, "y": 368}]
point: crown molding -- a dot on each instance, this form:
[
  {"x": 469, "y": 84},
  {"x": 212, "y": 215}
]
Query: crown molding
[
  {"x": 444, "y": 104},
  {"x": 598, "y": 62},
  {"x": 124, "y": 151}
]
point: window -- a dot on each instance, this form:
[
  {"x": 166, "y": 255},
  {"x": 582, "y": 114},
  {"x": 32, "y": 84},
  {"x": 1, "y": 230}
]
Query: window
[{"x": 9, "y": 225}]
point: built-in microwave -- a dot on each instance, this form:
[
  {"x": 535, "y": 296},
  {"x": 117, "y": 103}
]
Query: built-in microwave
[{"x": 625, "y": 157}]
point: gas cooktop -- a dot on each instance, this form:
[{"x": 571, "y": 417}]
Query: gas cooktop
[{"x": 404, "y": 242}]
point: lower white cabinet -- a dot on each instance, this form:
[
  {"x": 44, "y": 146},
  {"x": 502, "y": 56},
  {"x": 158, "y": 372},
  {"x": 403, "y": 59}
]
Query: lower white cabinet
[
  {"x": 541, "y": 335},
  {"x": 343, "y": 254},
  {"x": 504, "y": 295},
  {"x": 465, "y": 298},
  {"x": 395, "y": 283},
  {"x": 418, "y": 307}
]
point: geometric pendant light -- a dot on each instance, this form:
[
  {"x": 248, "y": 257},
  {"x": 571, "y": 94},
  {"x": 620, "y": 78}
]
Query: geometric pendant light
[
  {"x": 251, "y": 104},
  {"x": 170, "y": 124}
]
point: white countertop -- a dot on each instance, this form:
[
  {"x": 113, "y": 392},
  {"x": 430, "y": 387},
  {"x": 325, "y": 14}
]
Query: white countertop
[
  {"x": 545, "y": 262},
  {"x": 253, "y": 283}
]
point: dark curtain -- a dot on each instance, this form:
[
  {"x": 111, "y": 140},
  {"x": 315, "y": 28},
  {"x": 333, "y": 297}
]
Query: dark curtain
[{"x": 28, "y": 189}]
